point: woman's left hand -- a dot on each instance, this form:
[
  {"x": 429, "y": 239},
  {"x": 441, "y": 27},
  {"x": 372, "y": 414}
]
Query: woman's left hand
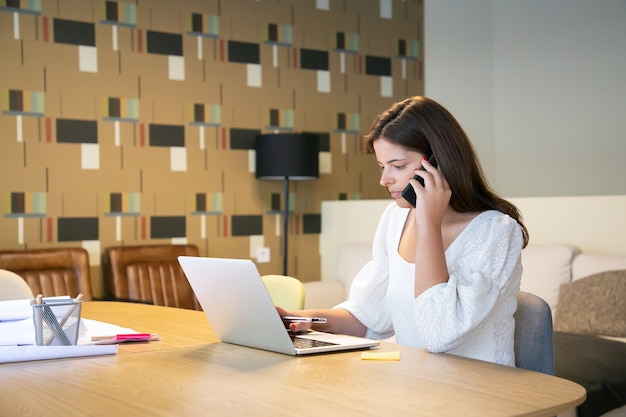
[{"x": 433, "y": 198}]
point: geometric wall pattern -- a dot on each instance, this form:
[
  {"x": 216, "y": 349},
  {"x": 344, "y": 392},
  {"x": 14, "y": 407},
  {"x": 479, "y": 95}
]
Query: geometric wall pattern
[{"x": 133, "y": 122}]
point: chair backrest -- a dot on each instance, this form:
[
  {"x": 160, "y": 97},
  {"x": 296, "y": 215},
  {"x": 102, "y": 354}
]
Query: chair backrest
[
  {"x": 13, "y": 286},
  {"x": 534, "y": 344},
  {"x": 286, "y": 292},
  {"x": 149, "y": 274},
  {"x": 51, "y": 272}
]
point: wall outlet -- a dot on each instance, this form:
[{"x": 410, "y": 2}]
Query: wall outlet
[{"x": 263, "y": 255}]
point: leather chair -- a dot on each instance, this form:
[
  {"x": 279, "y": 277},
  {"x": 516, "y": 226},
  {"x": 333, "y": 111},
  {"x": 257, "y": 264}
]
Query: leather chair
[
  {"x": 534, "y": 341},
  {"x": 286, "y": 292},
  {"x": 51, "y": 272},
  {"x": 148, "y": 274}
]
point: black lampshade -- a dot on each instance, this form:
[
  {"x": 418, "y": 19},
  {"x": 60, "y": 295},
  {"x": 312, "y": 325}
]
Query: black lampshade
[{"x": 292, "y": 155}]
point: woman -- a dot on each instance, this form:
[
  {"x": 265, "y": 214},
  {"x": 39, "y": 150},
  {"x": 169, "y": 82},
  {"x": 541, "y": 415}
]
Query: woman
[{"x": 445, "y": 274}]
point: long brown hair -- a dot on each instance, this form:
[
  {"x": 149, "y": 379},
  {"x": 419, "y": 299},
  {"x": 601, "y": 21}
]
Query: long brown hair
[{"x": 421, "y": 124}]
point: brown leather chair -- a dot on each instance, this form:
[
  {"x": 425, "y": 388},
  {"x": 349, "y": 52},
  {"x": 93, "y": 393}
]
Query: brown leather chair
[
  {"x": 51, "y": 272},
  {"x": 149, "y": 274}
]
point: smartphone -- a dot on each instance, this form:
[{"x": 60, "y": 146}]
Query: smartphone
[{"x": 409, "y": 193}]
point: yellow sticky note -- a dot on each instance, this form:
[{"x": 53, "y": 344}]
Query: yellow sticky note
[{"x": 380, "y": 356}]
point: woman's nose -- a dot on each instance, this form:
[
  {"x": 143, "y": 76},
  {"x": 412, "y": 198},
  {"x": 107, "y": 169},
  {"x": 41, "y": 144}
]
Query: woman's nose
[{"x": 385, "y": 179}]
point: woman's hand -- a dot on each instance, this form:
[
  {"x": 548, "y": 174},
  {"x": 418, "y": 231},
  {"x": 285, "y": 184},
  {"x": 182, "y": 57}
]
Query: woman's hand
[
  {"x": 293, "y": 326},
  {"x": 433, "y": 198}
]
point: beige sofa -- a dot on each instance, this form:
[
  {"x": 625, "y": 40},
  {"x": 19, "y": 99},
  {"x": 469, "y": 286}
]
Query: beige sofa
[{"x": 557, "y": 273}]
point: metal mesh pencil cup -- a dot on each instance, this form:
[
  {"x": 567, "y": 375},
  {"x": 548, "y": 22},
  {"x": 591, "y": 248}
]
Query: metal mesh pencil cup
[{"x": 57, "y": 322}]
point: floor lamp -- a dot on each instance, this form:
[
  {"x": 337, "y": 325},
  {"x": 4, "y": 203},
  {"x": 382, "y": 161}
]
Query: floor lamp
[{"x": 287, "y": 157}]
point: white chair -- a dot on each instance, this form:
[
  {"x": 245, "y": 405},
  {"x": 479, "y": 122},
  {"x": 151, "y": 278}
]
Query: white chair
[
  {"x": 13, "y": 286},
  {"x": 534, "y": 342},
  {"x": 286, "y": 292}
]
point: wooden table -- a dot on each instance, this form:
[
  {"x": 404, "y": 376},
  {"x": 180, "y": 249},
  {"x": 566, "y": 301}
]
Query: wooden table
[{"x": 190, "y": 373}]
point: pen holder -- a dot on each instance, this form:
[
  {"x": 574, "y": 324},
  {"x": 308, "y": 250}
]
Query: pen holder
[{"x": 57, "y": 322}]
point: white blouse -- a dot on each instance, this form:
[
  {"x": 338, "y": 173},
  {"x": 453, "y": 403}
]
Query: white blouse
[{"x": 471, "y": 315}]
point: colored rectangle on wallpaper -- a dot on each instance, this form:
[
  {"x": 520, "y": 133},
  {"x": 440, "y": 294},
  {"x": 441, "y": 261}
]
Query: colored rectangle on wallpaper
[
  {"x": 168, "y": 227},
  {"x": 281, "y": 34},
  {"x": 18, "y": 203},
  {"x": 76, "y": 131},
  {"x": 312, "y": 59},
  {"x": 200, "y": 202},
  {"x": 28, "y": 6},
  {"x": 408, "y": 49},
  {"x": 375, "y": 65},
  {"x": 217, "y": 202},
  {"x": 202, "y": 24},
  {"x": 25, "y": 204},
  {"x": 348, "y": 122},
  {"x": 348, "y": 42},
  {"x": 274, "y": 117},
  {"x": 278, "y": 118},
  {"x": 121, "y": 108},
  {"x": 114, "y": 107},
  {"x": 272, "y": 32},
  {"x": 198, "y": 113},
  {"x": 311, "y": 223},
  {"x": 71, "y": 229},
  {"x": 74, "y": 32},
  {"x": 341, "y": 121},
  {"x": 167, "y": 135},
  {"x": 110, "y": 11},
  {"x": 115, "y": 203},
  {"x": 16, "y": 100},
  {"x": 164, "y": 43},
  {"x": 243, "y": 138},
  {"x": 246, "y": 225},
  {"x": 209, "y": 114},
  {"x": 244, "y": 52},
  {"x": 38, "y": 203},
  {"x": 275, "y": 202},
  {"x": 134, "y": 202},
  {"x": 23, "y": 102},
  {"x": 123, "y": 204},
  {"x": 120, "y": 13},
  {"x": 204, "y": 203}
]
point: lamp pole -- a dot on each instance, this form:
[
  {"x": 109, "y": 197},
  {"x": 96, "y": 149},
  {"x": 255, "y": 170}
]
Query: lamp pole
[
  {"x": 287, "y": 156},
  {"x": 285, "y": 223}
]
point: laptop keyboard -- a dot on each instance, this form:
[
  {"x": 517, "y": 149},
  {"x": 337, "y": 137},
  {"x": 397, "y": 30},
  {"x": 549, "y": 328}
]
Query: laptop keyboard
[{"x": 302, "y": 343}]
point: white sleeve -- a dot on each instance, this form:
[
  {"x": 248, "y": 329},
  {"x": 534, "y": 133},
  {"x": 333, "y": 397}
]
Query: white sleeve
[{"x": 486, "y": 258}]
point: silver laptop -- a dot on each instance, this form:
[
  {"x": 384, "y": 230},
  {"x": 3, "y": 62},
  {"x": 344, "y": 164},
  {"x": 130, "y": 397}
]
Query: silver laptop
[{"x": 240, "y": 310}]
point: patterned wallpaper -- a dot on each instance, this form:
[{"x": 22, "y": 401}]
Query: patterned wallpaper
[{"x": 127, "y": 123}]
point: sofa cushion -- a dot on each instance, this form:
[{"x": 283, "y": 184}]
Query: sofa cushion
[
  {"x": 595, "y": 305},
  {"x": 352, "y": 258},
  {"x": 323, "y": 294},
  {"x": 587, "y": 264},
  {"x": 546, "y": 267}
]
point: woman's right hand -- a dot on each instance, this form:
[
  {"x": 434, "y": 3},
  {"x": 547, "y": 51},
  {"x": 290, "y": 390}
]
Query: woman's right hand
[{"x": 292, "y": 326}]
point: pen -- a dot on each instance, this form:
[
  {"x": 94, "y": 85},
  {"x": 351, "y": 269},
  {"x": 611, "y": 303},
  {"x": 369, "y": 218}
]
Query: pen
[{"x": 305, "y": 319}]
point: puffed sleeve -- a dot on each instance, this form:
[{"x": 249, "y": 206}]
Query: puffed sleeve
[
  {"x": 481, "y": 262},
  {"x": 367, "y": 300}
]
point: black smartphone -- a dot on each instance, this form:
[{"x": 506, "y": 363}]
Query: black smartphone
[{"x": 409, "y": 193}]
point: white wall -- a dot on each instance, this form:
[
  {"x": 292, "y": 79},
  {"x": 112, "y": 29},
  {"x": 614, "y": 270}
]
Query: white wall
[{"x": 539, "y": 86}]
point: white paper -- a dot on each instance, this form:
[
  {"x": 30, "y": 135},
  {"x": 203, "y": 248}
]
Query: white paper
[
  {"x": 36, "y": 353},
  {"x": 15, "y": 310},
  {"x": 17, "y": 332},
  {"x": 22, "y": 332},
  {"x": 21, "y": 309}
]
